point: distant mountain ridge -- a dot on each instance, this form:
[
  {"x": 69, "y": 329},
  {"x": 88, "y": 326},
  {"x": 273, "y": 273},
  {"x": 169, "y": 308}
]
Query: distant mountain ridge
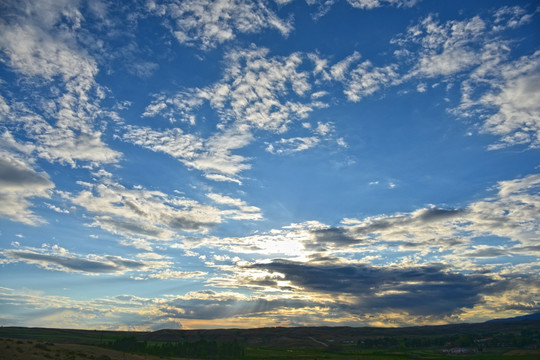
[{"x": 534, "y": 316}]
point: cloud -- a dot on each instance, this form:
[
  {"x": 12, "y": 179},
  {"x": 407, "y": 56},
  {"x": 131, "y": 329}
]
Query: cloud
[
  {"x": 172, "y": 274},
  {"x": 445, "y": 234},
  {"x": 366, "y": 79},
  {"x": 40, "y": 45},
  {"x": 33, "y": 48},
  {"x": 514, "y": 212},
  {"x": 141, "y": 215},
  {"x": 370, "y": 4},
  {"x": 423, "y": 290},
  {"x": 257, "y": 92},
  {"x": 210, "y": 304},
  {"x": 448, "y": 48},
  {"x": 148, "y": 214},
  {"x": 243, "y": 211},
  {"x": 502, "y": 94},
  {"x": 59, "y": 259},
  {"x": 363, "y": 79},
  {"x": 208, "y": 23},
  {"x": 173, "y": 142},
  {"x": 292, "y": 145},
  {"x": 19, "y": 182},
  {"x": 510, "y": 106}
]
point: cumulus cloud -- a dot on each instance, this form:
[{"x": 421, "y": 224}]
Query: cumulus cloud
[
  {"x": 208, "y": 23},
  {"x": 172, "y": 274},
  {"x": 366, "y": 79}
]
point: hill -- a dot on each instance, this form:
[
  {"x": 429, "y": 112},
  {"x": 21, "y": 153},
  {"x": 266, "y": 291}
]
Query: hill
[{"x": 516, "y": 338}]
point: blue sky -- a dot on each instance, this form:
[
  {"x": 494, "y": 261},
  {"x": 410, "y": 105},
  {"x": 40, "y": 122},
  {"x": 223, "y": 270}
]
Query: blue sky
[{"x": 201, "y": 164}]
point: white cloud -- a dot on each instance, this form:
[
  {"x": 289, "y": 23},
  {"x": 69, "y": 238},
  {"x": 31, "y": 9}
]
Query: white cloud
[
  {"x": 172, "y": 274},
  {"x": 243, "y": 212},
  {"x": 257, "y": 92},
  {"x": 340, "y": 69},
  {"x": 502, "y": 94},
  {"x": 514, "y": 212},
  {"x": 285, "y": 146},
  {"x": 511, "y": 17},
  {"x": 207, "y": 23},
  {"x": 447, "y": 48},
  {"x": 173, "y": 141},
  {"x": 511, "y": 106},
  {"x": 213, "y": 156},
  {"x": 148, "y": 214},
  {"x": 366, "y": 79},
  {"x": 39, "y": 44},
  {"x": 142, "y": 216},
  {"x": 370, "y": 4}
]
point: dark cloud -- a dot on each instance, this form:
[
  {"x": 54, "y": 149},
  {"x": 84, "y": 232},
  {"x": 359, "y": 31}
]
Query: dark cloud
[
  {"x": 435, "y": 214},
  {"x": 108, "y": 264},
  {"x": 131, "y": 227},
  {"x": 183, "y": 223},
  {"x": 332, "y": 236},
  {"x": 486, "y": 252},
  {"x": 421, "y": 290},
  {"x": 13, "y": 173}
]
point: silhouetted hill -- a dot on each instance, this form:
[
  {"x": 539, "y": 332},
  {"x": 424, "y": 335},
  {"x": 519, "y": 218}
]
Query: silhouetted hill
[
  {"x": 535, "y": 316},
  {"x": 296, "y": 337},
  {"x": 319, "y": 337}
]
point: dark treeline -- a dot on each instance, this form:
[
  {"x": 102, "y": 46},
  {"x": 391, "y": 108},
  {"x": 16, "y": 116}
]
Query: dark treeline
[
  {"x": 524, "y": 338},
  {"x": 202, "y": 349}
]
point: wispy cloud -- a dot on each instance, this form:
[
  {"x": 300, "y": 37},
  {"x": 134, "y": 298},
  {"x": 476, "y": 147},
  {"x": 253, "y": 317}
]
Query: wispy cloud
[{"x": 57, "y": 258}]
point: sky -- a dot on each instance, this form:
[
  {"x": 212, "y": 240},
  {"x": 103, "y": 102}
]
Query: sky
[{"x": 233, "y": 163}]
